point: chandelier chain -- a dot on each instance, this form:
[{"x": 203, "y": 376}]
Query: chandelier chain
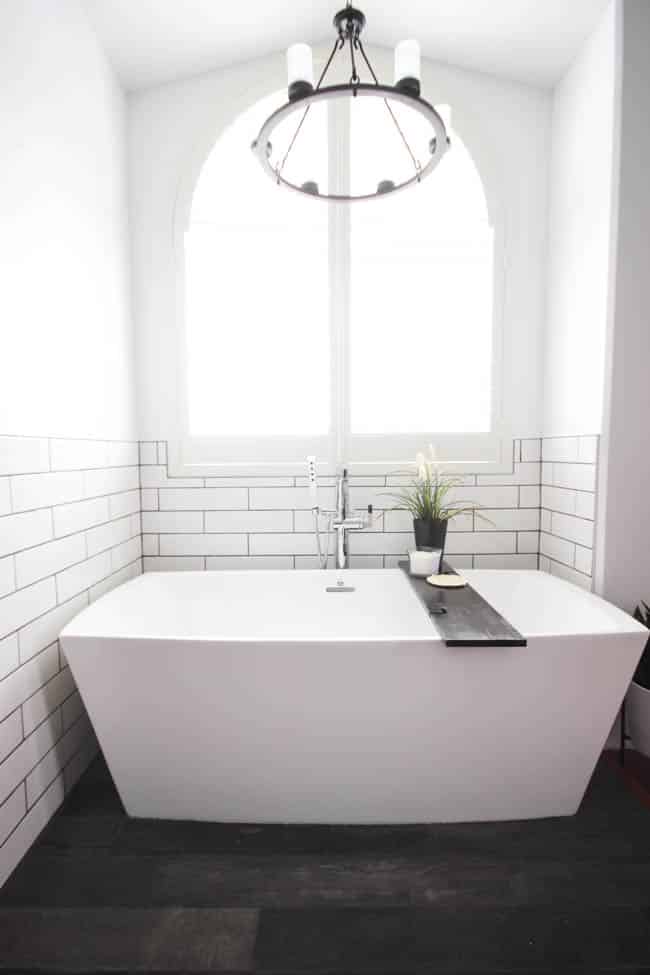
[
  {"x": 338, "y": 44},
  {"x": 415, "y": 162},
  {"x": 354, "y": 78},
  {"x": 368, "y": 64},
  {"x": 349, "y": 23},
  {"x": 278, "y": 171}
]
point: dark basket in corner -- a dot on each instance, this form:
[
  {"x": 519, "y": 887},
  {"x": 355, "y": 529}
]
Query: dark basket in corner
[
  {"x": 642, "y": 672},
  {"x": 430, "y": 534}
]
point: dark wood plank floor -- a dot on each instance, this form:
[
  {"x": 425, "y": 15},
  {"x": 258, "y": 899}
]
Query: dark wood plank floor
[{"x": 104, "y": 893}]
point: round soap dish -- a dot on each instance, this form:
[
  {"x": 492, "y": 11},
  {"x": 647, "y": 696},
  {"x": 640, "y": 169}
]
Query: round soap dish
[{"x": 448, "y": 581}]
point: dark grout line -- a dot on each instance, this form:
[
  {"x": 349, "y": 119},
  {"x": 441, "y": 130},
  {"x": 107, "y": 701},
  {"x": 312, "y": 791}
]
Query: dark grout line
[
  {"x": 59, "y": 605},
  {"x": 567, "y": 566},
  {"x": 563, "y": 538},
  {"x": 63, "y": 504},
  {"x": 59, "y": 775}
]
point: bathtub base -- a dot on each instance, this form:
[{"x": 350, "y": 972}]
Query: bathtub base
[
  {"x": 405, "y": 734},
  {"x": 356, "y": 731}
]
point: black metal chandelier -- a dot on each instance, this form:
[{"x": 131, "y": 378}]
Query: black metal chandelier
[{"x": 404, "y": 110}]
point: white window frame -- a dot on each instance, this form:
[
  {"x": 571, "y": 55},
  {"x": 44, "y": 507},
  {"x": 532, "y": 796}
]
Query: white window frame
[{"x": 368, "y": 455}]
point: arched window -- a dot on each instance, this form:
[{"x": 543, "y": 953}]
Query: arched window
[{"x": 355, "y": 333}]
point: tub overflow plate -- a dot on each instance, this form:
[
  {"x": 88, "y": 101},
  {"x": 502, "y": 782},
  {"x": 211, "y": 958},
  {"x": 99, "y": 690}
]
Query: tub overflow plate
[{"x": 340, "y": 587}]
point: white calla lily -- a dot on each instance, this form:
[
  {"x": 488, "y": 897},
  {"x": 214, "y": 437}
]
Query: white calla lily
[
  {"x": 434, "y": 469},
  {"x": 428, "y": 496},
  {"x": 422, "y": 466}
]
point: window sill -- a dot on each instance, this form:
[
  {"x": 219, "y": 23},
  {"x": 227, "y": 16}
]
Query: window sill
[{"x": 479, "y": 454}]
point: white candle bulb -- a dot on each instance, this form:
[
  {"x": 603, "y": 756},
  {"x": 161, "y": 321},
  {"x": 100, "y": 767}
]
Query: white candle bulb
[
  {"x": 407, "y": 63},
  {"x": 300, "y": 69}
]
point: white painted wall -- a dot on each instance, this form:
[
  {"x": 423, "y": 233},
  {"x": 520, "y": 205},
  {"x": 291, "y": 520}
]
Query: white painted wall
[
  {"x": 66, "y": 362},
  {"x": 579, "y": 238},
  {"x": 623, "y": 532},
  {"x": 66, "y": 371},
  {"x": 506, "y": 126}
]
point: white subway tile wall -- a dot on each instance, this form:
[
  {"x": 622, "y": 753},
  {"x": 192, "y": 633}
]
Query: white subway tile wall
[
  {"x": 70, "y": 530},
  {"x": 265, "y": 522},
  {"x": 78, "y": 517},
  {"x": 539, "y": 514},
  {"x": 568, "y": 507}
]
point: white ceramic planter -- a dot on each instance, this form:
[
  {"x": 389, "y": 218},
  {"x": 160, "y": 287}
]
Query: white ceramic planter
[{"x": 638, "y": 717}]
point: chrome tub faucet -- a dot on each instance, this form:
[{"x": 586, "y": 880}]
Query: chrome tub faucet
[
  {"x": 341, "y": 520},
  {"x": 345, "y": 520}
]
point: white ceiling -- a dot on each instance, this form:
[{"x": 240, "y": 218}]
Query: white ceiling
[{"x": 155, "y": 41}]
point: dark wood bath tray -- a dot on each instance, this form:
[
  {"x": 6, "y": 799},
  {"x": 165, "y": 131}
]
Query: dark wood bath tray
[{"x": 463, "y": 617}]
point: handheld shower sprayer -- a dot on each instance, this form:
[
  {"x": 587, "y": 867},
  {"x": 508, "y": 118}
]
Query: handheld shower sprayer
[{"x": 313, "y": 482}]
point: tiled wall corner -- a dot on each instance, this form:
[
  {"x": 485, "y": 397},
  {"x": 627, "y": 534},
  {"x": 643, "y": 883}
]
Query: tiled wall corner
[
  {"x": 568, "y": 484},
  {"x": 265, "y": 522},
  {"x": 69, "y": 531}
]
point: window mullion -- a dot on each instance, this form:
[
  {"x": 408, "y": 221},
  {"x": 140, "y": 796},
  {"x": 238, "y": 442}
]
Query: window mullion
[{"x": 339, "y": 271}]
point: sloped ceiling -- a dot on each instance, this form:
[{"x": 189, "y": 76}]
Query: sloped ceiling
[{"x": 151, "y": 42}]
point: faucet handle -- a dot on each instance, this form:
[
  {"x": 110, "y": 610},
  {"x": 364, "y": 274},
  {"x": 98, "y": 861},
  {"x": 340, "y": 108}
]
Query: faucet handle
[{"x": 363, "y": 519}]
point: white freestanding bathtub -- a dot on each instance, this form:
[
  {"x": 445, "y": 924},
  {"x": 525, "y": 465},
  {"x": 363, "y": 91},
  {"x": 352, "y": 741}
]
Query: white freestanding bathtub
[{"x": 260, "y": 697}]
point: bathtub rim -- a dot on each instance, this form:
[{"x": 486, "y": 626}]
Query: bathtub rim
[{"x": 622, "y": 624}]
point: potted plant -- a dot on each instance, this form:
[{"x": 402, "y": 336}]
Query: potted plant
[
  {"x": 427, "y": 497},
  {"x": 638, "y": 696}
]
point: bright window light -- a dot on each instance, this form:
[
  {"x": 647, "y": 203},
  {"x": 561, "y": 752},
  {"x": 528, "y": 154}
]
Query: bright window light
[
  {"x": 256, "y": 297},
  {"x": 421, "y": 296},
  {"x": 304, "y": 320}
]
